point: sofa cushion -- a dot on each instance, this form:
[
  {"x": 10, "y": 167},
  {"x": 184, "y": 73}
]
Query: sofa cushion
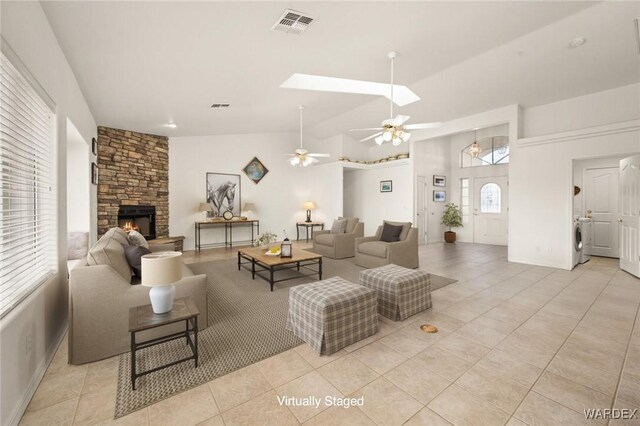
[
  {"x": 390, "y": 233},
  {"x": 134, "y": 258},
  {"x": 374, "y": 248},
  {"x": 325, "y": 239},
  {"x": 137, "y": 239},
  {"x": 406, "y": 226},
  {"x": 351, "y": 223},
  {"x": 339, "y": 226},
  {"x": 109, "y": 251},
  {"x": 77, "y": 245}
]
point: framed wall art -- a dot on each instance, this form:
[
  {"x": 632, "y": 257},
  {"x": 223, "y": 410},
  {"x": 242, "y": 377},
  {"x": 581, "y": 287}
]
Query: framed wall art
[
  {"x": 439, "y": 196},
  {"x": 439, "y": 180},
  {"x": 255, "y": 170},
  {"x": 94, "y": 146},
  {"x": 223, "y": 193},
  {"x": 386, "y": 186}
]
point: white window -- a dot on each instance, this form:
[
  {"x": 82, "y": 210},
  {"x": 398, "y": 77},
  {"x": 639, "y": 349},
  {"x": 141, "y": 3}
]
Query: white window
[
  {"x": 492, "y": 150},
  {"x": 28, "y": 252},
  {"x": 490, "y": 201},
  {"x": 464, "y": 199}
]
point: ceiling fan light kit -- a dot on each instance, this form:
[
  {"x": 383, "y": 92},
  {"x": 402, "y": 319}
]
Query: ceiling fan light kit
[
  {"x": 301, "y": 157},
  {"x": 393, "y": 129}
]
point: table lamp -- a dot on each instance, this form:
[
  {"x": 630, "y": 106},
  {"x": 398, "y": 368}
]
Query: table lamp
[
  {"x": 160, "y": 271},
  {"x": 309, "y": 206},
  {"x": 205, "y": 207},
  {"x": 249, "y": 207}
]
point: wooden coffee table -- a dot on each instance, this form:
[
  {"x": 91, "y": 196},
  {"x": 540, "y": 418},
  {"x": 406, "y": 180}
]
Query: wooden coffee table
[{"x": 265, "y": 266}]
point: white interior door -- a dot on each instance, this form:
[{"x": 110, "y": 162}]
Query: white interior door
[
  {"x": 601, "y": 197},
  {"x": 421, "y": 211},
  {"x": 491, "y": 210},
  {"x": 630, "y": 215}
]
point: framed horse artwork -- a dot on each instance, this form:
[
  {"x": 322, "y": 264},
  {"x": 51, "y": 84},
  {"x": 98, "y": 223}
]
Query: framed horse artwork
[{"x": 223, "y": 193}]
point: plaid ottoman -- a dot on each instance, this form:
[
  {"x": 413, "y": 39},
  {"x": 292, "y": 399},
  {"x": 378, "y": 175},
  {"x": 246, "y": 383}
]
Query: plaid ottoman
[
  {"x": 401, "y": 292},
  {"x": 332, "y": 314}
]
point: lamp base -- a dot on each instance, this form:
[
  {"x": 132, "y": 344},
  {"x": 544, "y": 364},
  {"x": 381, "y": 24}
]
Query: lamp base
[
  {"x": 308, "y": 216},
  {"x": 162, "y": 298}
]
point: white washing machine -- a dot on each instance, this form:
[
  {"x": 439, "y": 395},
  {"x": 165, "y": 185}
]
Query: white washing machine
[
  {"x": 577, "y": 240},
  {"x": 585, "y": 225}
]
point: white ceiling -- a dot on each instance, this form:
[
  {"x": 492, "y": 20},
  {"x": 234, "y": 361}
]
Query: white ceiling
[{"x": 142, "y": 64}]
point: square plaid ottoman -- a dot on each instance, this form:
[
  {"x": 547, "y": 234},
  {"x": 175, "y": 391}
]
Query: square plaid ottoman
[
  {"x": 332, "y": 314},
  {"x": 401, "y": 292}
]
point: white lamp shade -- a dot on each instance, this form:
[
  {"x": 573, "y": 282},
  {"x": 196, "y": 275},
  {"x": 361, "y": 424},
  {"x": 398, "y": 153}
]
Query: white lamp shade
[
  {"x": 309, "y": 205},
  {"x": 249, "y": 207},
  {"x": 204, "y": 207},
  {"x": 161, "y": 268}
]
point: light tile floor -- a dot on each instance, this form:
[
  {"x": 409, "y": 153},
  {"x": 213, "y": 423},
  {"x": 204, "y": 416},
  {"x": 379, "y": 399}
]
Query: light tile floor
[{"x": 517, "y": 345}]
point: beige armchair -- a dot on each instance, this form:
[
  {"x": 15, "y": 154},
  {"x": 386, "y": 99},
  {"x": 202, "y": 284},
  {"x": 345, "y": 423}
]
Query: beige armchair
[
  {"x": 100, "y": 296},
  {"x": 372, "y": 253},
  {"x": 338, "y": 246}
]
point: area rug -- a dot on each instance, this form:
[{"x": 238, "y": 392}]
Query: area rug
[{"x": 246, "y": 325}]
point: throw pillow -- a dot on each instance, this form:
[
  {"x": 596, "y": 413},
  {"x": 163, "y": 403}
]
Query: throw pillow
[
  {"x": 339, "y": 226},
  {"x": 390, "y": 233},
  {"x": 134, "y": 258},
  {"x": 137, "y": 239}
]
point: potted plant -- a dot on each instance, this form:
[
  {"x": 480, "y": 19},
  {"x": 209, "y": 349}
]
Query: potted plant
[{"x": 451, "y": 217}]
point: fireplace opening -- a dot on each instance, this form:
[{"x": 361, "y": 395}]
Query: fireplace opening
[{"x": 138, "y": 218}]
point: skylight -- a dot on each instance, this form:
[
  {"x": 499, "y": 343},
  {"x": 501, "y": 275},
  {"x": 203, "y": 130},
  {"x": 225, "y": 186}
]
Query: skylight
[{"x": 402, "y": 95}]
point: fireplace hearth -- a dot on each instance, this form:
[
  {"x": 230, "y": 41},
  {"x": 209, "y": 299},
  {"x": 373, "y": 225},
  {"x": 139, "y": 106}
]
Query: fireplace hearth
[{"x": 138, "y": 218}]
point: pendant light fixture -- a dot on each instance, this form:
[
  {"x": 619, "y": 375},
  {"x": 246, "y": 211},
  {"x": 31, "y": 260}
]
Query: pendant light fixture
[{"x": 474, "y": 150}]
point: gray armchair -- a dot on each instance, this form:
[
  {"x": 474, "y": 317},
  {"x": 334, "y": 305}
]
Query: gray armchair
[
  {"x": 338, "y": 246},
  {"x": 372, "y": 253}
]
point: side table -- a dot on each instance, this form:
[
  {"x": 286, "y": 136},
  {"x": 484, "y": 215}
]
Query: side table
[
  {"x": 142, "y": 318},
  {"x": 307, "y": 226}
]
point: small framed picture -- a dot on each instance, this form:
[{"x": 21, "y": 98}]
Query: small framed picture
[
  {"x": 94, "y": 173},
  {"x": 439, "y": 196},
  {"x": 439, "y": 180},
  {"x": 94, "y": 146},
  {"x": 386, "y": 186}
]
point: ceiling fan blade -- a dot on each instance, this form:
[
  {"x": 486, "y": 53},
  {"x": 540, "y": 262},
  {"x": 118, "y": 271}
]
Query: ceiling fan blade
[
  {"x": 422, "y": 126},
  {"x": 379, "y": 140},
  {"x": 371, "y": 137},
  {"x": 369, "y": 129},
  {"x": 319, "y": 155},
  {"x": 400, "y": 119}
]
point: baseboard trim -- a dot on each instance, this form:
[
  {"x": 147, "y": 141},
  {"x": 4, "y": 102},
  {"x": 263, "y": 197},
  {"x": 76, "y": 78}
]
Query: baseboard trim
[{"x": 19, "y": 411}]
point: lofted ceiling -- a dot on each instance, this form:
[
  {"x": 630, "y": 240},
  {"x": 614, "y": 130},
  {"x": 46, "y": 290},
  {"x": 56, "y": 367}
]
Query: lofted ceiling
[{"x": 143, "y": 64}]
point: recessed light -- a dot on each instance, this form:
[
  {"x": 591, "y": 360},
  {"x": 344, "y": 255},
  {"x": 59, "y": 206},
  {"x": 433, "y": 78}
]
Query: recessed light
[
  {"x": 170, "y": 125},
  {"x": 577, "y": 42}
]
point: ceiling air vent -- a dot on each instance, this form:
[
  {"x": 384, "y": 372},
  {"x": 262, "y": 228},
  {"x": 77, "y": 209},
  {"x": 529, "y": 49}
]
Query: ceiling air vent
[
  {"x": 219, "y": 106},
  {"x": 293, "y": 22}
]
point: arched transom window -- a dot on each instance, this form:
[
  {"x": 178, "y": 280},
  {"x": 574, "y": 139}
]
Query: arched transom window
[{"x": 493, "y": 150}]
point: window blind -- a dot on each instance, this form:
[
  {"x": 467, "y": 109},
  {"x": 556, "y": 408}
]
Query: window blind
[{"x": 28, "y": 250}]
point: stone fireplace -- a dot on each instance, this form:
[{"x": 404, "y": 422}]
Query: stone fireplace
[
  {"x": 133, "y": 182},
  {"x": 138, "y": 218}
]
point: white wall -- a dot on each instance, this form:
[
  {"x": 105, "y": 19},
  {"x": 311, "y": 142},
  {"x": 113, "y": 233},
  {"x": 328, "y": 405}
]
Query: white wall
[
  {"x": 363, "y": 199},
  {"x": 433, "y": 157},
  {"x": 78, "y": 181},
  {"x": 278, "y": 197},
  {"x": 43, "y": 316},
  {"x": 541, "y": 171}
]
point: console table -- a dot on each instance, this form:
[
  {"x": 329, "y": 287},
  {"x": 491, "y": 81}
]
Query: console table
[
  {"x": 228, "y": 231},
  {"x": 307, "y": 226}
]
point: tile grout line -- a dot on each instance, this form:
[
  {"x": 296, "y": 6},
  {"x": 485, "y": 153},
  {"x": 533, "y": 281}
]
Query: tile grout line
[
  {"x": 624, "y": 360},
  {"x": 560, "y": 347}
]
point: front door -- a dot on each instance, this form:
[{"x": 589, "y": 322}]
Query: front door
[
  {"x": 490, "y": 210},
  {"x": 630, "y": 215},
  {"x": 601, "y": 199}
]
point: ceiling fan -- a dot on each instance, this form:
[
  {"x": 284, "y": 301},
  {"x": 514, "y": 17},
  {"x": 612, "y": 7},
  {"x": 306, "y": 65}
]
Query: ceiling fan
[
  {"x": 393, "y": 129},
  {"x": 301, "y": 157}
]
